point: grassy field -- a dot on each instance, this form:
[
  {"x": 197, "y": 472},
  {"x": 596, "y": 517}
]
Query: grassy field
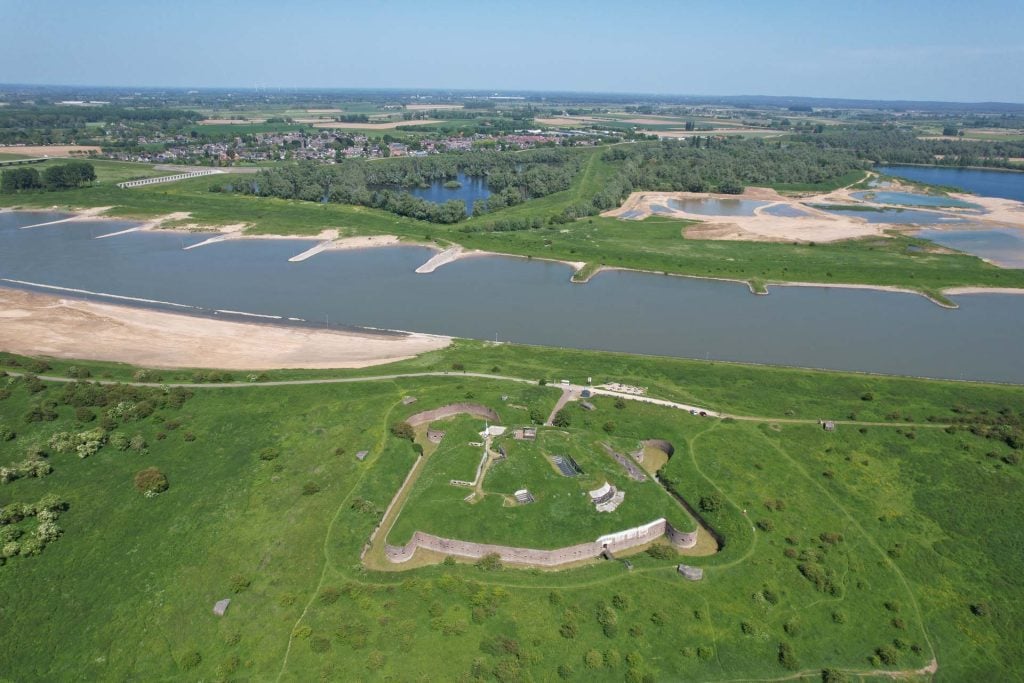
[
  {"x": 562, "y": 514},
  {"x": 655, "y": 244},
  {"x": 867, "y": 548}
]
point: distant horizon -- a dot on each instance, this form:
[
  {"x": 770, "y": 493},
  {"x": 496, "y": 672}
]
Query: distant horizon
[{"x": 494, "y": 92}]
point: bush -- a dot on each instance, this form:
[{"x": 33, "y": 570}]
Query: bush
[
  {"x": 310, "y": 488},
  {"x": 489, "y": 562},
  {"x": 562, "y": 419},
  {"x": 787, "y": 658},
  {"x": 660, "y": 551},
  {"x": 190, "y": 660},
  {"x": 329, "y": 595},
  {"x": 403, "y": 430},
  {"x": 620, "y": 403},
  {"x": 150, "y": 481},
  {"x": 711, "y": 503},
  {"x": 569, "y": 630},
  {"x": 83, "y": 414},
  {"x": 268, "y": 453},
  {"x": 6, "y": 433},
  {"x": 458, "y": 367},
  {"x": 239, "y": 583}
]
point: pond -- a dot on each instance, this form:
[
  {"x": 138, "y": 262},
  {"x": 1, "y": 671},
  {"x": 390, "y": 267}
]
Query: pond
[
  {"x": 527, "y": 301},
  {"x": 716, "y": 207},
  {"x": 783, "y": 211},
  {"x": 913, "y": 199},
  {"x": 471, "y": 190},
  {"x": 893, "y": 216}
]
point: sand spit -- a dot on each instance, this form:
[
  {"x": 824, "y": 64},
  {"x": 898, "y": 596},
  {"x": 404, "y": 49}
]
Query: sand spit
[{"x": 47, "y": 325}]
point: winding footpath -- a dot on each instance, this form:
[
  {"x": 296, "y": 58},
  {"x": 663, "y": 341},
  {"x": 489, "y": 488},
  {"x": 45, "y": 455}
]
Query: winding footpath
[{"x": 570, "y": 392}]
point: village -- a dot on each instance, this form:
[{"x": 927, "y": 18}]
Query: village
[{"x": 331, "y": 146}]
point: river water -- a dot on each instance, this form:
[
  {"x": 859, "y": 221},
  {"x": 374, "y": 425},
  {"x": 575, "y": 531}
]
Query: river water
[{"x": 528, "y": 301}]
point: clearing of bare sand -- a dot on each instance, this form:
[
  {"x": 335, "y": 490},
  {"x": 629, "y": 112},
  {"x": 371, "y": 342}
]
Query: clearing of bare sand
[{"x": 46, "y": 325}]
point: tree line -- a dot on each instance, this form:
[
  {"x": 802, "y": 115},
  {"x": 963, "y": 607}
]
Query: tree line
[
  {"x": 57, "y": 177},
  {"x": 889, "y": 144}
]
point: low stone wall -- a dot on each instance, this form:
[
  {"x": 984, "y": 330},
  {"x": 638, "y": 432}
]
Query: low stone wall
[
  {"x": 621, "y": 540},
  {"x": 453, "y": 409}
]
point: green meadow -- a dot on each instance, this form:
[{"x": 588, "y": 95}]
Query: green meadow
[{"x": 874, "y": 548}]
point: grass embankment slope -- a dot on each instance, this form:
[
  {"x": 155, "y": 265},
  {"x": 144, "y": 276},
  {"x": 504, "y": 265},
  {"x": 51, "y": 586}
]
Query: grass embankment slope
[
  {"x": 861, "y": 549},
  {"x": 655, "y": 244}
]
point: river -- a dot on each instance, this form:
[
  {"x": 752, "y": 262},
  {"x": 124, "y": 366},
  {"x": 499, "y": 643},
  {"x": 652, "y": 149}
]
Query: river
[{"x": 528, "y": 301}]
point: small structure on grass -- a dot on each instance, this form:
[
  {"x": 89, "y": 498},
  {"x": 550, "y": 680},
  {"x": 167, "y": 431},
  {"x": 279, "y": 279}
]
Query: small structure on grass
[
  {"x": 828, "y": 425},
  {"x": 567, "y": 466},
  {"x": 587, "y": 405},
  {"x": 525, "y": 434},
  {"x": 408, "y": 400},
  {"x": 606, "y": 498},
  {"x": 524, "y": 497},
  {"x": 361, "y": 455},
  {"x": 435, "y": 435},
  {"x": 691, "y": 573},
  {"x": 501, "y": 454},
  {"x": 221, "y": 606}
]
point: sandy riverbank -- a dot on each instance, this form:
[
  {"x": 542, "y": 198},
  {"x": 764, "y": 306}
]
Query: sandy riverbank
[{"x": 46, "y": 325}]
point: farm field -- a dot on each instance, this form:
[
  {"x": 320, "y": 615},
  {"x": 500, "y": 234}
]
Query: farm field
[{"x": 840, "y": 550}]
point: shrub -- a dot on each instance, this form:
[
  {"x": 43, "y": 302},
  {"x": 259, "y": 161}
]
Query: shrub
[
  {"x": 190, "y": 660},
  {"x": 833, "y": 676},
  {"x": 268, "y": 453},
  {"x": 661, "y": 551},
  {"x": 138, "y": 443},
  {"x": 489, "y": 562},
  {"x": 612, "y": 659},
  {"x": 239, "y": 583},
  {"x": 867, "y": 396},
  {"x": 887, "y": 655},
  {"x": 979, "y": 609},
  {"x": 593, "y": 659},
  {"x": 710, "y": 503},
  {"x": 765, "y": 525},
  {"x": 6, "y": 433},
  {"x": 83, "y": 414},
  {"x": 329, "y": 595},
  {"x": 562, "y": 419},
  {"x": 620, "y": 404},
  {"x": 569, "y": 630},
  {"x": 620, "y": 601},
  {"x": 403, "y": 430},
  {"x": 310, "y": 488},
  {"x": 458, "y": 367},
  {"x": 787, "y": 658},
  {"x": 705, "y": 653},
  {"x": 150, "y": 481},
  {"x": 78, "y": 373},
  {"x": 608, "y": 427},
  {"x": 319, "y": 645}
]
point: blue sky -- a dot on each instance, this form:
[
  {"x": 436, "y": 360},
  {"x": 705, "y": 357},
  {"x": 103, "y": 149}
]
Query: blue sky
[{"x": 899, "y": 49}]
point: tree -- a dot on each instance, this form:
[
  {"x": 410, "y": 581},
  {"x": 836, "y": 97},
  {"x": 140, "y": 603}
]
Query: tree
[{"x": 562, "y": 419}]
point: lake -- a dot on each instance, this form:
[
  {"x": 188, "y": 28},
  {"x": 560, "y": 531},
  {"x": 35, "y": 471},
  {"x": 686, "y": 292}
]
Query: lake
[
  {"x": 474, "y": 189},
  {"x": 987, "y": 183},
  {"x": 527, "y": 301},
  {"x": 893, "y": 216}
]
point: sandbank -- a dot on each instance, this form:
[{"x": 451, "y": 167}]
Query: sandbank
[{"x": 47, "y": 325}]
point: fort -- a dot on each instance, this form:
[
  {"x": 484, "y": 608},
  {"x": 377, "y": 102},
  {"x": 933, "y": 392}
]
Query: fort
[{"x": 614, "y": 542}]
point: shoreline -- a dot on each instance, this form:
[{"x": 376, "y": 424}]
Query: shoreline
[{"x": 68, "y": 327}]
